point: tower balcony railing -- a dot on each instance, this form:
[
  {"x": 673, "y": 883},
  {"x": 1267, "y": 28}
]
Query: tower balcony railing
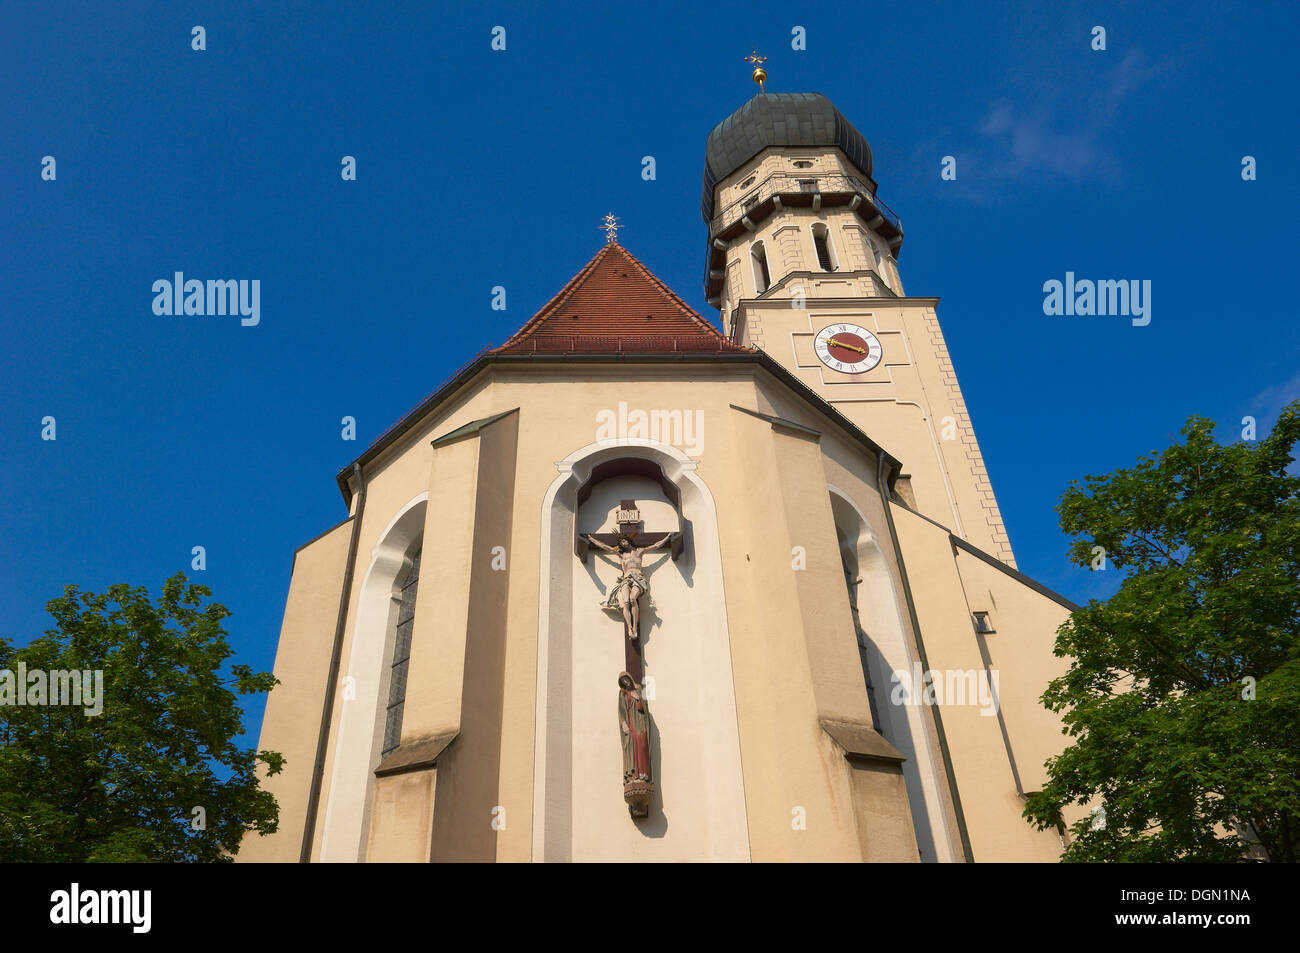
[{"x": 788, "y": 183}]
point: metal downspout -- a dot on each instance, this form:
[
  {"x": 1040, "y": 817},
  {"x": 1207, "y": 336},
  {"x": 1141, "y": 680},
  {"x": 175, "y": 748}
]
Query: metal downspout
[
  {"x": 925, "y": 663},
  {"x": 327, "y": 713}
]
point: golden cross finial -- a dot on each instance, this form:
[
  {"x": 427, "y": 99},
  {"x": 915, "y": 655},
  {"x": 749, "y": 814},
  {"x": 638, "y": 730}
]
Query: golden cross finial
[
  {"x": 611, "y": 227},
  {"x": 760, "y": 74}
]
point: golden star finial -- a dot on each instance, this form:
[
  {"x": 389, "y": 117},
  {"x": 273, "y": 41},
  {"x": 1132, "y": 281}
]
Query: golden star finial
[
  {"x": 760, "y": 74},
  {"x": 611, "y": 227}
]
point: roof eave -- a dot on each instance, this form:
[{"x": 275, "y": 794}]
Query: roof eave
[{"x": 471, "y": 370}]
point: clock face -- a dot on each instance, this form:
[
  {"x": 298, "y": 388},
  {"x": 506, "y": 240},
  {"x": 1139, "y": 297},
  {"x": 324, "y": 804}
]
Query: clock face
[{"x": 848, "y": 348}]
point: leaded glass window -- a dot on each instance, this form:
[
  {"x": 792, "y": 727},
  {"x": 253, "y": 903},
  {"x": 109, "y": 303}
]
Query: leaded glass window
[{"x": 406, "y": 590}]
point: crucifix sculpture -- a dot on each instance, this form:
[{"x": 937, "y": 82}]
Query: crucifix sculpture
[{"x": 625, "y": 596}]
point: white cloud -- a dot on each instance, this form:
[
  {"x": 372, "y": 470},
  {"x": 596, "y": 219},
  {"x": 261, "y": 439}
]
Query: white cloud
[
  {"x": 1268, "y": 403},
  {"x": 1054, "y": 131}
]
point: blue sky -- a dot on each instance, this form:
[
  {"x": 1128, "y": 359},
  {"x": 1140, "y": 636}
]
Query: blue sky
[{"x": 479, "y": 168}]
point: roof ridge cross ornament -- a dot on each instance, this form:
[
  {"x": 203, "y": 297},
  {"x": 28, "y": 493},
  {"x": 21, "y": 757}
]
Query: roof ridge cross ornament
[
  {"x": 611, "y": 227},
  {"x": 760, "y": 74}
]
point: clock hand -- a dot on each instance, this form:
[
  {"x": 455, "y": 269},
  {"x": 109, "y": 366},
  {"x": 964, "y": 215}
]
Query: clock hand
[{"x": 834, "y": 343}]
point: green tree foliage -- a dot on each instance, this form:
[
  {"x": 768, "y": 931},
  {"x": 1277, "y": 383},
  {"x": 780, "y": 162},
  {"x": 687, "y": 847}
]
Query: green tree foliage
[
  {"x": 1183, "y": 692},
  {"x": 123, "y": 785}
]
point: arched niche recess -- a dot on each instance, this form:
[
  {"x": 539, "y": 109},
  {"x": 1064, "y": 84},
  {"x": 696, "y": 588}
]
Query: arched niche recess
[
  {"x": 578, "y": 808},
  {"x": 887, "y": 652},
  {"x": 365, "y": 678},
  {"x": 643, "y": 468}
]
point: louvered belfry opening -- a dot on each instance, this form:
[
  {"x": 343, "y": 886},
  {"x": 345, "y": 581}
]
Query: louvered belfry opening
[
  {"x": 762, "y": 277},
  {"x": 407, "y": 586},
  {"x": 821, "y": 241}
]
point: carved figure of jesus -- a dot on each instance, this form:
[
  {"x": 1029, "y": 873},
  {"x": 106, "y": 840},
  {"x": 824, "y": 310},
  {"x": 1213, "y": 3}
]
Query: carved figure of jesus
[{"x": 626, "y": 593}]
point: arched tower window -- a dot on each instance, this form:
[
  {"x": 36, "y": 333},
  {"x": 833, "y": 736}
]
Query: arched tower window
[
  {"x": 821, "y": 235},
  {"x": 758, "y": 258},
  {"x": 404, "y": 592},
  {"x": 898, "y": 279}
]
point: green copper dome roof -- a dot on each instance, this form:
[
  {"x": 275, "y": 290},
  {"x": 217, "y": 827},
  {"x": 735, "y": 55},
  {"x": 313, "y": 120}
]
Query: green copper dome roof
[{"x": 778, "y": 119}]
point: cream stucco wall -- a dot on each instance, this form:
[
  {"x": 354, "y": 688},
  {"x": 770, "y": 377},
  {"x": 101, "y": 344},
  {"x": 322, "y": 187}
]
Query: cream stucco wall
[
  {"x": 994, "y": 749},
  {"x": 291, "y": 723},
  {"x": 785, "y": 637},
  {"x": 910, "y": 403}
]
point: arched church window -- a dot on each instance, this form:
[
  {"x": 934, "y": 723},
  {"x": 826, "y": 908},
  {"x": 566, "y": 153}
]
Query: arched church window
[
  {"x": 758, "y": 257},
  {"x": 407, "y": 584},
  {"x": 849, "y": 562},
  {"x": 822, "y": 242}
]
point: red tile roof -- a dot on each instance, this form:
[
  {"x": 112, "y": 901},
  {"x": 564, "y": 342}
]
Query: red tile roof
[{"x": 615, "y": 305}]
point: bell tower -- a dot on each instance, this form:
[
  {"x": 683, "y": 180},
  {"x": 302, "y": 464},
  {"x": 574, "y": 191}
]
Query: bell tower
[{"x": 802, "y": 262}]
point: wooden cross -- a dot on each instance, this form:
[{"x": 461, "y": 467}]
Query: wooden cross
[{"x": 628, "y": 519}]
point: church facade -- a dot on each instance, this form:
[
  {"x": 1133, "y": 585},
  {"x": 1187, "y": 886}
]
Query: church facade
[{"x": 631, "y": 588}]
